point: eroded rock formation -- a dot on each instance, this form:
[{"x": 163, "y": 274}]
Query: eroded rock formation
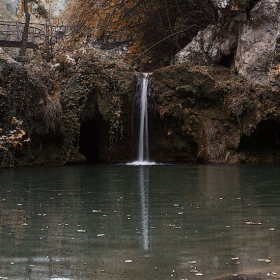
[
  {"x": 215, "y": 110},
  {"x": 240, "y": 55},
  {"x": 247, "y": 40}
]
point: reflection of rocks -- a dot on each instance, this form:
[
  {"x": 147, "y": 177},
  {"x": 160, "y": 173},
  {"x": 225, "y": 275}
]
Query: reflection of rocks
[
  {"x": 250, "y": 276},
  {"x": 13, "y": 218},
  {"x": 15, "y": 222}
]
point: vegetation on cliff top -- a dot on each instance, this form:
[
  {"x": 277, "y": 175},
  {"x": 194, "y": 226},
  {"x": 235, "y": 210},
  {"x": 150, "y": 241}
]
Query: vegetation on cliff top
[{"x": 139, "y": 24}]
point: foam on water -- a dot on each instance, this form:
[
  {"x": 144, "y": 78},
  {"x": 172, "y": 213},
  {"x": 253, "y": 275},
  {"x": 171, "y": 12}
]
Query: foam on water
[{"x": 137, "y": 163}]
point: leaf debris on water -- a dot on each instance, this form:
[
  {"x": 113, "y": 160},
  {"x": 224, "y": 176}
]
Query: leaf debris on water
[
  {"x": 253, "y": 223},
  {"x": 264, "y": 260}
]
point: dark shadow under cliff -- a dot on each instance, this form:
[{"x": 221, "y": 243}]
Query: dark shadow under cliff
[{"x": 263, "y": 145}]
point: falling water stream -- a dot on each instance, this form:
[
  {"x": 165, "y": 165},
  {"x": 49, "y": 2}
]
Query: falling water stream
[
  {"x": 143, "y": 145},
  {"x": 143, "y": 149}
]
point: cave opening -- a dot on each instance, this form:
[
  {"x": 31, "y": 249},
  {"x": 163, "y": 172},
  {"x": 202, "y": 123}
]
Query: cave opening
[
  {"x": 263, "y": 143},
  {"x": 89, "y": 141},
  {"x": 228, "y": 60},
  {"x": 251, "y": 4}
]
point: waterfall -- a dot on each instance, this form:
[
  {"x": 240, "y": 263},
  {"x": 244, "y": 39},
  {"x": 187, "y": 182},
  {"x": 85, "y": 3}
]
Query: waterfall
[
  {"x": 143, "y": 83},
  {"x": 143, "y": 146}
]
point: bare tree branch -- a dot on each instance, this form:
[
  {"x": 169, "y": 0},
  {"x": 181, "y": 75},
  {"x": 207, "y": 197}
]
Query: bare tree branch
[{"x": 179, "y": 32}]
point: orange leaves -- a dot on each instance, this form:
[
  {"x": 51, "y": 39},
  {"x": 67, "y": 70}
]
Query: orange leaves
[
  {"x": 142, "y": 23},
  {"x": 115, "y": 20}
]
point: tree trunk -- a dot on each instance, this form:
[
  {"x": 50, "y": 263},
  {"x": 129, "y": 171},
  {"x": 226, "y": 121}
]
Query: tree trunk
[{"x": 25, "y": 30}]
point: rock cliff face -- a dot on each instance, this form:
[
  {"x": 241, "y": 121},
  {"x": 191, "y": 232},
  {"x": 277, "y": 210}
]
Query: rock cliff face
[
  {"x": 221, "y": 118},
  {"x": 239, "y": 55},
  {"x": 244, "y": 39},
  {"x": 257, "y": 53}
]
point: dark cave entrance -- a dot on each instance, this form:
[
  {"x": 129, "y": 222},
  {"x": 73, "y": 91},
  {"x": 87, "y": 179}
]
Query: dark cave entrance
[
  {"x": 89, "y": 141},
  {"x": 252, "y": 3},
  {"x": 263, "y": 143},
  {"x": 228, "y": 60}
]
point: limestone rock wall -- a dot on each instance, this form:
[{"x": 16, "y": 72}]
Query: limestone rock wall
[
  {"x": 245, "y": 42},
  {"x": 258, "y": 43},
  {"x": 214, "y": 109},
  {"x": 209, "y": 46},
  {"x": 249, "y": 36}
]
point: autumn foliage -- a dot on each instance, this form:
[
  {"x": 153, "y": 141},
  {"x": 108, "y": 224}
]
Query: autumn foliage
[{"x": 140, "y": 24}]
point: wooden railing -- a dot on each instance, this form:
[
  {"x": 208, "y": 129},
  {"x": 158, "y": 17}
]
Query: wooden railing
[{"x": 38, "y": 34}]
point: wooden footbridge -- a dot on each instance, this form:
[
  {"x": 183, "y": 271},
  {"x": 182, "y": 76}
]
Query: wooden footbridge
[{"x": 38, "y": 34}]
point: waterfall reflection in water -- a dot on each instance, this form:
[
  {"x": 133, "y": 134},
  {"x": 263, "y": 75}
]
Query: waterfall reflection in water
[{"x": 144, "y": 193}]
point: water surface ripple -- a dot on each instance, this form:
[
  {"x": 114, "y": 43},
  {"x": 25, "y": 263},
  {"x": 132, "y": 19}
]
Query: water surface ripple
[{"x": 140, "y": 222}]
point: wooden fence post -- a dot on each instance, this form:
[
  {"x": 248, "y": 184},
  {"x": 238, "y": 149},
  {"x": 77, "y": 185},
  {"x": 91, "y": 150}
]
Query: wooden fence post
[
  {"x": 33, "y": 35},
  {"x": 47, "y": 41},
  {"x": 8, "y": 33},
  {"x": 19, "y": 33}
]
